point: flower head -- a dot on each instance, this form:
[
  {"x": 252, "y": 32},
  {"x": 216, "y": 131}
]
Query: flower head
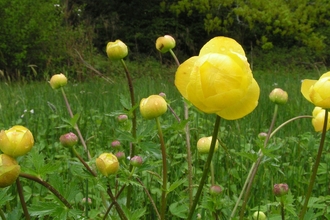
[
  {"x": 58, "y": 80},
  {"x": 69, "y": 139},
  {"x": 219, "y": 80},
  {"x": 136, "y": 161},
  {"x": 116, "y": 50},
  {"x": 9, "y": 170},
  {"x": 278, "y": 96},
  {"x": 204, "y": 144},
  {"x": 107, "y": 164},
  {"x": 317, "y": 91},
  {"x": 280, "y": 189},
  {"x": 215, "y": 190},
  {"x": 318, "y": 119},
  {"x": 164, "y": 44},
  {"x": 16, "y": 141},
  {"x": 153, "y": 106}
]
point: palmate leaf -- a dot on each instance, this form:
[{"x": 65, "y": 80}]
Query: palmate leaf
[
  {"x": 176, "y": 184},
  {"x": 5, "y": 196},
  {"x": 179, "y": 209}
]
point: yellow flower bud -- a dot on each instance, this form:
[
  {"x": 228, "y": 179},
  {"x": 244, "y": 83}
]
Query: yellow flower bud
[
  {"x": 318, "y": 119},
  {"x": 259, "y": 215},
  {"x": 204, "y": 144},
  {"x": 58, "y": 80},
  {"x": 278, "y": 96},
  {"x": 164, "y": 44},
  {"x": 153, "y": 106},
  {"x": 9, "y": 170},
  {"x": 16, "y": 141},
  {"x": 107, "y": 164},
  {"x": 219, "y": 80},
  {"x": 116, "y": 50},
  {"x": 317, "y": 91}
]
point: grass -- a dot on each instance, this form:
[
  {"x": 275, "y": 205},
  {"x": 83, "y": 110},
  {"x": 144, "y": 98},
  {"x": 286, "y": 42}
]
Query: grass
[{"x": 289, "y": 159}]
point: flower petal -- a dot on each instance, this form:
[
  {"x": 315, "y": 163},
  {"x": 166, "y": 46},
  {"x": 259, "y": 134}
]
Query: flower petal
[
  {"x": 222, "y": 45},
  {"x": 244, "y": 106},
  {"x": 182, "y": 75},
  {"x": 305, "y": 88}
]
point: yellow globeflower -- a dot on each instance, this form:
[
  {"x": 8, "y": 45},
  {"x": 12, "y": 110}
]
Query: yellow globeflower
[
  {"x": 219, "y": 80},
  {"x": 317, "y": 91},
  {"x": 318, "y": 119},
  {"x": 58, "y": 80},
  {"x": 9, "y": 170},
  {"x": 204, "y": 145},
  {"x": 116, "y": 50},
  {"x": 16, "y": 141},
  {"x": 164, "y": 44},
  {"x": 153, "y": 106},
  {"x": 107, "y": 164}
]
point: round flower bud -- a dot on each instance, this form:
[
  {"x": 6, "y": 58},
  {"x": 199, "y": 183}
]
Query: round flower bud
[
  {"x": 262, "y": 135},
  {"x": 89, "y": 200},
  {"x": 116, "y": 144},
  {"x": 69, "y": 139},
  {"x": 16, "y": 141},
  {"x": 204, "y": 144},
  {"x": 164, "y": 44},
  {"x": 318, "y": 119},
  {"x": 162, "y": 94},
  {"x": 120, "y": 155},
  {"x": 107, "y": 164},
  {"x": 9, "y": 170},
  {"x": 122, "y": 118},
  {"x": 116, "y": 50},
  {"x": 278, "y": 96},
  {"x": 153, "y": 106},
  {"x": 259, "y": 215},
  {"x": 136, "y": 161},
  {"x": 280, "y": 189},
  {"x": 58, "y": 80},
  {"x": 215, "y": 190}
]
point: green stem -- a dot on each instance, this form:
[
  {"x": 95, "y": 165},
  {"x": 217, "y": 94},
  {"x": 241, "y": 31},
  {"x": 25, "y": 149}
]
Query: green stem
[
  {"x": 83, "y": 162},
  {"x": 118, "y": 208},
  {"x": 282, "y": 209},
  {"x": 132, "y": 152},
  {"x": 164, "y": 186},
  {"x": 48, "y": 186},
  {"x": 82, "y": 140},
  {"x": 21, "y": 197},
  {"x": 212, "y": 173},
  {"x": 112, "y": 203},
  {"x": 260, "y": 155},
  {"x": 315, "y": 167},
  {"x": 206, "y": 168},
  {"x": 187, "y": 131}
]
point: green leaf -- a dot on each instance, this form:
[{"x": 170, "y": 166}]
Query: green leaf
[
  {"x": 179, "y": 210},
  {"x": 175, "y": 185}
]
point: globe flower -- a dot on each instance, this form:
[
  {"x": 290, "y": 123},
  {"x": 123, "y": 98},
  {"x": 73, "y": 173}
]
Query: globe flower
[
  {"x": 280, "y": 189},
  {"x": 153, "y": 106},
  {"x": 204, "y": 144},
  {"x": 69, "y": 139},
  {"x": 219, "y": 80},
  {"x": 9, "y": 170},
  {"x": 116, "y": 50},
  {"x": 164, "y": 44},
  {"x": 107, "y": 164},
  {"x": 259, "y": 215},
  {"x": 58, "y": 80},
  {"x": 136, "y": 161},
  {"x": 318, "y": 119},
  {"x": 16, "y": 141},
  {"x": 317, "y": 91},
  {"x": 278, "y": 96}
]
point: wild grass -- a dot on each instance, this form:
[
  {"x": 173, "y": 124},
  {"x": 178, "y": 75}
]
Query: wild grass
[{"x": 289, "y": 159}]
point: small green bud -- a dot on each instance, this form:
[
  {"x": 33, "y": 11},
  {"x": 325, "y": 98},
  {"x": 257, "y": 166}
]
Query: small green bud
[
  {"x": 259, "y": 215},
  {"x": 278, "y": 96},
  {"x": 69, "y": 139},
  {"x": 215, "y": 190},
  {"x": 58, "y": 80},
  {"x": 136, "y": 161},
  {"x": 204, "y": 144},
  {"x": 164, "y": 44},
  {"x": 122, "y": 118},
  {"x": 9, "y": 170},
  {"x": 120, "y": 155},
  {"x": 153, "y": 106},
  {"x": 107, "y": 164},
  {"x": 116, "y": 144},
  {"x": 116, "y": 50},
  {"x": 280, "y": 189},
  {"x": 262, "y": 135}
]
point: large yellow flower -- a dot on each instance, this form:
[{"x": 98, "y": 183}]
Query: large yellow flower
[
  {"x": 318, "y": 119},
  {"x": 219, "y": 80},
  {"x": 317, "y": 91}
]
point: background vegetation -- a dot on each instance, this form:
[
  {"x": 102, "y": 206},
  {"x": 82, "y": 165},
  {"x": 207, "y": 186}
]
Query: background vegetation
[{"x": 39, "y": 38}]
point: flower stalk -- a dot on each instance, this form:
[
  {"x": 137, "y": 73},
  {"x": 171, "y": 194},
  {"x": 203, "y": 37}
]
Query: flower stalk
[
  {"x": 206, "y": 168},
  {"x": 21, "y": 197},
  {"x": 164, "y": 185},
  {"x": 315, "y": 167}
]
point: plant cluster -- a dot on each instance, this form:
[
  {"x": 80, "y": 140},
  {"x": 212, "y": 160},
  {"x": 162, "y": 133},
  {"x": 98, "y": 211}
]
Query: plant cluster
[{"x": 103, "y": 184}]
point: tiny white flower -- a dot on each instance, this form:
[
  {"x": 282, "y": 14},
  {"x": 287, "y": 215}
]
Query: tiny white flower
[{"x": 32, "y": 111}]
